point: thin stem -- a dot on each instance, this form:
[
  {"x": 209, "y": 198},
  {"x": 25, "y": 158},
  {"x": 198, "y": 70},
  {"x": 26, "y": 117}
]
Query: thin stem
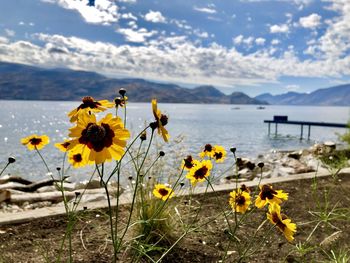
[
  {"x": 42, "y": 158},
  {"x": 110, "y": 213},
  {"x": 127, "y": 149},
  {"x": 124, "y": 112},
  {"x": 135, "y": 192},
  {"x": 4, "y": 168}
]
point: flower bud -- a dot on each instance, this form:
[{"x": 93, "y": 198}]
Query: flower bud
[
  {"x": 122, "y": 92},
  {"x": 11, "y": 159},
  {"x": 161, "y": 153},
  {"x": 143, "y": 136},
  {"x": 261, "y": 165},
  {"x": 233, "y": 149}
]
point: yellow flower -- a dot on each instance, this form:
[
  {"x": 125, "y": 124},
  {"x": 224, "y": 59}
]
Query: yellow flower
[
  {"x": 99, "y": 141},
  {"x": 76, "y": 159},
  {"x": 269, "y": 196},
  {"x": 35, "y": 141},
  {"x": 283, "y": 223},
  {"x": 188, "y": 163},
  {"x": 162, "y": 192},
  {"x": 161, "y": 121},
  {"x": 240, "y": 201},
  {"x": 89, "y": 104},
  {"x": 199, "y": 172},
  {"x": 63, "y": 146},
  {"x": 219, "y": 153},
  {"x": 208, "y": 151}
]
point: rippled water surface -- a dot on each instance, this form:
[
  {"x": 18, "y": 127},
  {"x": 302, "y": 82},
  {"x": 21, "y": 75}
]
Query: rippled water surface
[{"x": 199, "y": 123}]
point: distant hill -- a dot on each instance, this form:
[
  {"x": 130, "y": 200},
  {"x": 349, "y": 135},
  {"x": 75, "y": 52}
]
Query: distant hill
[
  {"x": 241, "y": 98},
  {"x": 333, "y": 96},
  {"x": 22, "y": 82}
]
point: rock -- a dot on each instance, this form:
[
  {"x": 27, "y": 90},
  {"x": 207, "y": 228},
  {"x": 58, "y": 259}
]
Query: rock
[
  {"x": 295, "y": 155},
  {"x": 93, "y": 184},
  {"x": 329, "y": 146},
  {"x": 284, "y": 171}
]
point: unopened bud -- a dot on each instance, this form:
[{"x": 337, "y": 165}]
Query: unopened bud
[
  {"x": 122, "y": 92},
  {"x": 233, "y": 149},
  {"x": 143, "y": 136},
  {"x": 161, "y": 153},
  {"x": 261, "y": 165},
  {"x": 11, "y": 159}
]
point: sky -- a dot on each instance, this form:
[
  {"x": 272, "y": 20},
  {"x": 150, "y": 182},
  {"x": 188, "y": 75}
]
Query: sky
[{"x": 254, "y": 46}]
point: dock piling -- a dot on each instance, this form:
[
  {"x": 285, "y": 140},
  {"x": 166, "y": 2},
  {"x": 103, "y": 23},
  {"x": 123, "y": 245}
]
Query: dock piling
[{"x": 284, "y": 120}]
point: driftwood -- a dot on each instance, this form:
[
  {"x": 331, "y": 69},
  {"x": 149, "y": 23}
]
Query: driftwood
[
  {"x": 28, "y": 188},
  {"x": 15, "y": 179},
  {"x": 4, "y": 195},
  {"x": 54, "y": 196},
  {"x": 16, "y": 190}
]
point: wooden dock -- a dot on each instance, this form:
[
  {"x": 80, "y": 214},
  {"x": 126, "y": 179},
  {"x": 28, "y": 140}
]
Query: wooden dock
[{"x": 284, "y": 120}]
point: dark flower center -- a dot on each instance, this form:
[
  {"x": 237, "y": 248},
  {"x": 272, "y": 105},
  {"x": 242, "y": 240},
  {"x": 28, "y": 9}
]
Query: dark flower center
[
  {"x": 97, "y": 137},
  {"x": 188, "y": 162},
  {"x": 218, "y": 155},
  {"x": 163, "y": 191},
  {"x": 65, "y": 144},
  {"x": 35, "y": 141},
  {"x": 240, "y": 200},
  {"x": 267, "y": 192},
  {"x": 95, "y": 133},
  {"x": 278, "y": 222},
  {"x": 201, "y": 172},
  {"x": 89, "y": 102},
  {"x": 77, "y": 158},
  {"x": 163, "y": 120},
  {"x": 119, "y": 101},
  {"x": 208, "y": 148}
]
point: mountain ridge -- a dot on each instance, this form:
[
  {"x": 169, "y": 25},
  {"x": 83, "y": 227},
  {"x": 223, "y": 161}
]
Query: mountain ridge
[
  {"x": 23, "y": 82},
  {"x": 332, "y": 96}
]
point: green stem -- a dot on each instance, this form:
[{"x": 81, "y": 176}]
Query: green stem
[
  {"x": 4, "y": 168},
  {"x": 110, "y": 212},
  {"x": 134, "y": 194},
  {"x": 42, "y": 158}
]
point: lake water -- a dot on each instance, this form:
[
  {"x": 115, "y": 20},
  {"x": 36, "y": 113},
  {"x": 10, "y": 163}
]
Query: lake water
[{"x": 199, "y": 124}]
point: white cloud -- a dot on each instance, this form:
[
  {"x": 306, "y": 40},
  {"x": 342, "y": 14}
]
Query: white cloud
[
  {"x": 103, "y": 12},
  {"x": 335, "y": 42},
  {"x": 4, "y": 40},
  {"x": 155, "y": 17},
  {"x": 132, "y": 24},
  {"x": 284, "y": 28},
  {"x": 312, "y": 21},
  {"x": 208, "y": 10},
  {"x": 275, "y": 41},
  {"x": 174, "y": 59},
  {"x": 128, "y": 16},
  {"x": 260, "y": 41},
  {"x": 201, "y": 34},
  {"x": 238, "y": 39},
  {"x": 10, "y": 32},
  {"x": 136, "y": 36},
  {"x": 248, "y": 41}
]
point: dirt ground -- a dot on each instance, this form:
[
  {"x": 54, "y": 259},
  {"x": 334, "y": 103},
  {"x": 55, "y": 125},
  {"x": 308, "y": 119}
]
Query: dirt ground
[{"x": 40, "y": 240}]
